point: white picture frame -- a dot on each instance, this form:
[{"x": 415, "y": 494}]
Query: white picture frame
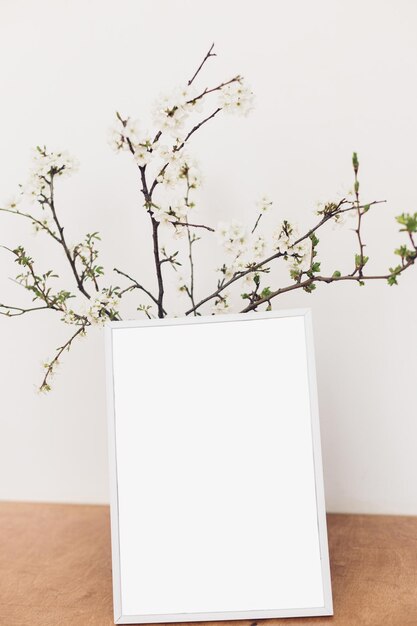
[{"x": 173, "y": 560}]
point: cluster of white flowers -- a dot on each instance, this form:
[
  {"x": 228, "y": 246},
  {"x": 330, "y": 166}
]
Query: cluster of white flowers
[
  {"x": 44, "y": 166},
  {"x": 236, "y": 97},
  {"x": 180, "y": 169},
  {"x": 163, "y": 216},
  {"x": 285, "y": 238},
  {"x": 70, "y": 316},
  {"x": 96, "y": 311},
  {"x": 233, "y": 237},
  {"x": 177, "y": 211},
  {"x": 125, "y": 135},
  {"x": 259, "y": 247},
  {"x": 171, "y": 111},
  {"x": 264, "y": 204},
  {"x": 221, "y": 304},
  {"x": 245, "y": 249}
]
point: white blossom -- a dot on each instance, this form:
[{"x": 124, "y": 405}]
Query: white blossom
[
  {"x": 259, "y": 247},
  {"x": 142, "y": 155},
  {"x": 221, "y": 304},
  {"x": 180, "y": 208},
  {"x": 264, "y": 204},
  {"x": 191, "y": 172},
  {"x": 171, "y": 111},
  {"x": 169, "y": 177},
  {"x": 300, "y": 262},
  {"x": 163, "y": 216},
  {"x": 248, "y": 279},
  {"x": 123, "y": 132},
  {"x": 96, "y": 312},
  {"x": 181, "y": 170},
  {"x": 170, "y": 155},
  {"x": 237, "y": 98},
  {"x": 233, "y": 237},
  {"x": 284, "y": 237},
  {"x": 69, "y": 316},
  {"x": 46, "y": 165}
]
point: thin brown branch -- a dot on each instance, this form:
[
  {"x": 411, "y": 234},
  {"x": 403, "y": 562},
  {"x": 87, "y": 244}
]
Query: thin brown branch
[
  {"x": 178, "y": 148},
  {"x": 35, "y": 221},
  {"x": 135, "y": 285},
  {"x": 14, "y": 311},
  {"x": 327, "y": 280},
  {"x": 196, "y": 127},
  {"x": 71, "y": 261},
  {"x": 276, "y": 255},
  {"x": 52, "y": 364},
  {"x": 235, "y": 79},
  {"x": 256, "y": 223},
  {"x": 212, "y": 230},
  {"x": 209, "y": 54}
]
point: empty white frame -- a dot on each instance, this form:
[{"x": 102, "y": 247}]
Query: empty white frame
[{"x": 217, "y": 502}]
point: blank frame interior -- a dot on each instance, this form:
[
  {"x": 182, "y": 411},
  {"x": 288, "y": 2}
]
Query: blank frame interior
[{"x": 216, "y": 480}]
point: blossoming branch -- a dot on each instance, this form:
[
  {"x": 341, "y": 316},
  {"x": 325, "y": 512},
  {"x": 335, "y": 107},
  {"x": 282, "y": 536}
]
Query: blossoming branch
[{"x": 169, "y": 178}]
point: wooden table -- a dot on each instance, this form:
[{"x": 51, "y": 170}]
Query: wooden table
[{"x": 55, "y": 568}]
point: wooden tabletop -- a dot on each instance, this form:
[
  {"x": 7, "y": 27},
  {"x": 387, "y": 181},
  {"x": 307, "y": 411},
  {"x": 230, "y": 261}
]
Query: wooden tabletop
[{"x": 55, "y": 568}]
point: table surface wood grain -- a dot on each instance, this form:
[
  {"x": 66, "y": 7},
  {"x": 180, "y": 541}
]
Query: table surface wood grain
[{"x": 55, "y": 568}]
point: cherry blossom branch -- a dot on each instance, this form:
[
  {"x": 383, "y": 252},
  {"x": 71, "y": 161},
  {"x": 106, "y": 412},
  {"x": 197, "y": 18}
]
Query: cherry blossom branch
[
  {"x": 180, "y": 147},
  {"x": 50, "y": 367},
  {"x": 326, "y": 279},
  {"x": 235, "y": 79},
  {"x": 338, "y": 210}
]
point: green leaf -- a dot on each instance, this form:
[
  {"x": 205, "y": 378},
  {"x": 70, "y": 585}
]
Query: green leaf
[
  {"x": 409, "y": 221},
  {"x": 314, "y": 240},
  {"x": 310, "y": 288},
  {"x": 265, "y": 292},
  {"x": 361, "y": 261},
  {"x": 336, "y": 274}
]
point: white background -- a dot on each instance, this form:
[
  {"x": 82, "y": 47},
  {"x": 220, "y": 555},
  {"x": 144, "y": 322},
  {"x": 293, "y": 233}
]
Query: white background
[{"x": 330, "y": 77}]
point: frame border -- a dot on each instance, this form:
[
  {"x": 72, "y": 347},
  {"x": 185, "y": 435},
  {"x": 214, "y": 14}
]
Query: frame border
[{"x": 327, "y": 608}]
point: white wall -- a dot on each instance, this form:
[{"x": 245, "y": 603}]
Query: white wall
[{"x": 330, "y": 78}]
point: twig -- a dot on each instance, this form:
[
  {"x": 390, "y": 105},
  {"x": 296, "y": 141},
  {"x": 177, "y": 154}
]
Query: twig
[
  {"x": 21, "y": 311},
  {"x": 235, "y": 79},
  {"x": 328, "y": 280},
  {"x": 71, "y": 261},
  {"x": 34, "y": 220},
  {"x": 200, "y": 67},
  {"x": 135, "y": 285},
  {"x": 67, "y": 345},
  {"x": 256, "y": 223},
  {"x": 212, "y": 230},
  {"x": 277, "y": 255}
]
